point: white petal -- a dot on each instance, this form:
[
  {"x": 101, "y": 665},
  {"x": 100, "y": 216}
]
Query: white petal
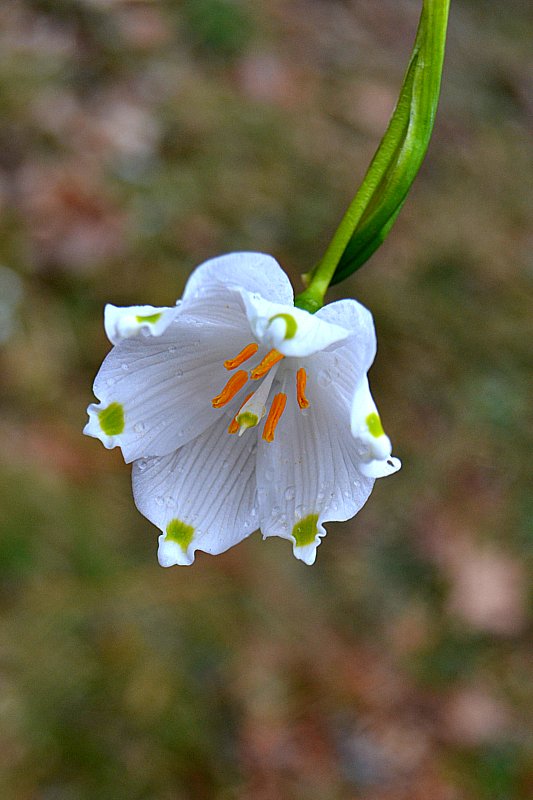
[
  {"x": 202, "y": 495},
  {"x": 380, "y": 469},
  {"x": 255, "y": 272},
  {"x": 218, "y": 306},
  {"x": 353, "y": 316},
  {"x": 348, "y": 373},
  {"x": 162, "y": 387},
  {"x": 366, "y": 425},
  {"x": 122, "y": 323},
  {"x": 290, "y": 330},
  {"x": 309, "y": 474},
  {"x": 106, "y": 422}
]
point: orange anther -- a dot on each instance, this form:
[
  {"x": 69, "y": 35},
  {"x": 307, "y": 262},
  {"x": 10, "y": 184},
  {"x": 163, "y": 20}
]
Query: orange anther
[
  {"x": 234, "y": 425},
  {"x": 266, "y": 364},
  {"x": 274, "y": 415},
  {"x": 249, "y": 351},
  {"x": 234, "y": 385},
  {"x": 301, "y": 380}
]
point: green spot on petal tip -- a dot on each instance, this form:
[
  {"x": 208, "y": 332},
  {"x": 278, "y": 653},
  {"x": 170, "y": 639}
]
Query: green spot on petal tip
[
  {"x": 289, "y": 321},
  {"x": 149, "y": 317},
  {"x": 111, "y": 419},
  {"x": 179, "y": 532},
  {"x": 374, "y": 425},
  {"x": 305, "y": 530}
]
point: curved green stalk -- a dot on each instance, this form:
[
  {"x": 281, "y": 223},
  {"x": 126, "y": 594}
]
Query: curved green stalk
[{"x": 395, "y": 165}]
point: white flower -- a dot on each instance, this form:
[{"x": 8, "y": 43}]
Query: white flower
[{"x": 241, "y": 411}]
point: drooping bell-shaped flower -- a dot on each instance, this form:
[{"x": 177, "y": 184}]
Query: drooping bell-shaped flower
[{"x": 241, "y": 411}]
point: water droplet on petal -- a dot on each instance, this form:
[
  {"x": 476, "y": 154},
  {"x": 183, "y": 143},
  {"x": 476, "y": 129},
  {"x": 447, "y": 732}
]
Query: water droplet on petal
[
  {"x": 269, "y": 474},
  {"x": 275, "y": 511},
  {"x": 179, "y": 373},
  {"x": 141, "y": 465},
  {"x": 172, "y": 348},
  {"x": 125, "y": 366},
  {"x": 159, "y": 501},
  {"x": 324, "y": 378},
  {"x": 290, "y": 493},
  {"x": 110, "y": 381},
  {"x": 170, "y": 502},
  {"x": 139, "y": 427}
]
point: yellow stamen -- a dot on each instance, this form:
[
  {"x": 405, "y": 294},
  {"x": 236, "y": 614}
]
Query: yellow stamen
[
  {"x": 274, "y": 415},
  {"x": 234, "y": 385},
  {"x": 234, "y": 425},
  {"x": 249, "y": 351},
  {"x": 301, "y": 380},
  {"x": 266, "y": 364}
]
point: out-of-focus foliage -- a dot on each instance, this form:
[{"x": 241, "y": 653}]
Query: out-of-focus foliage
[{"x": 136, "y": 140}]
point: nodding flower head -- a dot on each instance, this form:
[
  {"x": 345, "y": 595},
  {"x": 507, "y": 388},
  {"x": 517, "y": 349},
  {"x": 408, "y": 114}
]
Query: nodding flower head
[{"x": 241, "y": 411}]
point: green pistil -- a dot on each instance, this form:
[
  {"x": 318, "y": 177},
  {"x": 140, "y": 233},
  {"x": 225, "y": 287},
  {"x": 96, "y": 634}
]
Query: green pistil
[
  {"x": 305, "y": 530},
  {"x": 247, "y": 419},
  {"x": 111, "y": 419},
  {"x": 180, "y": 532}
]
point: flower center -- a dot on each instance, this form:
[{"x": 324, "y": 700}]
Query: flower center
[
  {"x": 253, "y": 409},
  {"x": 234, "y": 425}
]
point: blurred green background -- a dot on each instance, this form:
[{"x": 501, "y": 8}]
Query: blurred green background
[{"x": 136, "y": 140}]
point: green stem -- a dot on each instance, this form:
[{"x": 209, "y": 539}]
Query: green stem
[{"x": 395, "y": 165}]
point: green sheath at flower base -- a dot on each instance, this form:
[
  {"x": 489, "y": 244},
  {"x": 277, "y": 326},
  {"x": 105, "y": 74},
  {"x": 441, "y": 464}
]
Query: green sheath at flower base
[{"x": 395, "y": 165}]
